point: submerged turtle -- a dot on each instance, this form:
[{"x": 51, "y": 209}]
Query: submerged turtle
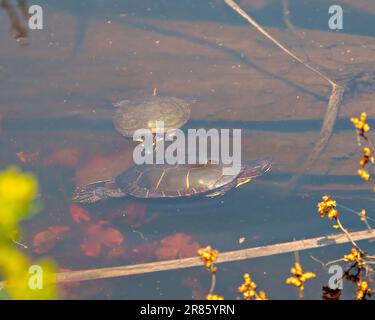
[
  {"x": 168, "y": 181},
  {"x": 142, "y": 113}
]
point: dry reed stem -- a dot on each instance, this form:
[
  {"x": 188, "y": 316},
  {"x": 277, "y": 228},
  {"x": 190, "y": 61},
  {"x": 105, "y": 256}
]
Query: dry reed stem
[
  {"x": 346, "y": 232},
  {"x": 213, "y": 280}
]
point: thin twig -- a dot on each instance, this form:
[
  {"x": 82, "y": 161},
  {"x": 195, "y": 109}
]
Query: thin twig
[
  {"x": 354, "y": 212},
  {"x": 241, "y": 12},
  {"x": 349, "y": 236},
  {"x": 213, "y": 279},
  {"x": 333, "y": 261},
  {"x": 323, "y": 264},
  {"x": 301, "y": 295}
]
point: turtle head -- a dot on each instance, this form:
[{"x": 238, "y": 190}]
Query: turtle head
[{"x": 253, "y": 169}]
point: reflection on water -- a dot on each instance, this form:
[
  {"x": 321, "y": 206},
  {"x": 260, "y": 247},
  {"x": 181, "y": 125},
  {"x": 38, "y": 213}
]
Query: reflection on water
[{"x": 56, "y": 120}]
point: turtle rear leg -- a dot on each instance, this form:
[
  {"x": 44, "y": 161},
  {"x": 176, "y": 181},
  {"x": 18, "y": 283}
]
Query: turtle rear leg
[{"x": 96, "y": 192}]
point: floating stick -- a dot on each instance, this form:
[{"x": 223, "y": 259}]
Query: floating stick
[{"x": 237, "y": 255}]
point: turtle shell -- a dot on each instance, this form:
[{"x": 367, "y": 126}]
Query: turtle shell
[
  {"x": 143, "y": 114},
  {"x": 183, "y": 180}
]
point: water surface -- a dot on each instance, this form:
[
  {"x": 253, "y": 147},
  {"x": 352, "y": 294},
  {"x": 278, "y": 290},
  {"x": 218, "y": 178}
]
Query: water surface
[{"x": 56, "y": 92}]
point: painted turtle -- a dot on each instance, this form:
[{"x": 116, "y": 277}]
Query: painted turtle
[
  {"x": 168, "y": 181},
  {"x": 142, "y": 113}
]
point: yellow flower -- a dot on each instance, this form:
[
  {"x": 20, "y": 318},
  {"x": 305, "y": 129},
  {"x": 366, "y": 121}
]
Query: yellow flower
[
  {"x": 364, "y": 174},
  {"x": 363, "y": 290},
  {"x": 366, "y": 152},
  {"x": 327, "y": 207},
  {"x": 333, "y": 214},
  {"x": 355, "y": 256},
  {"x": 360, "y": 123},
  {"x": 299, "y": 277},
  {"x": 248, "y": 289},
  {"x": 208, "y": 256},
  {"x": 261, "y": 296},
  {"x": 363, "y": 215},
  {"x": 296, "y": 270},
  {"x": 17, "y": 192},
  {"x": 214, "y": 297},
  {"x": 16, "y": 186},
  {"x": 366, "y": 158}
]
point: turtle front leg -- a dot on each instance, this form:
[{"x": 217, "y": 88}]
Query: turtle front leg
[{"x": 93, "y": 193}]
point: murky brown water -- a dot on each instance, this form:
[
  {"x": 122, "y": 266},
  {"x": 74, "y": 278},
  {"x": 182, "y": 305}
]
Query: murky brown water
[{"x": 56, "y": 93}]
